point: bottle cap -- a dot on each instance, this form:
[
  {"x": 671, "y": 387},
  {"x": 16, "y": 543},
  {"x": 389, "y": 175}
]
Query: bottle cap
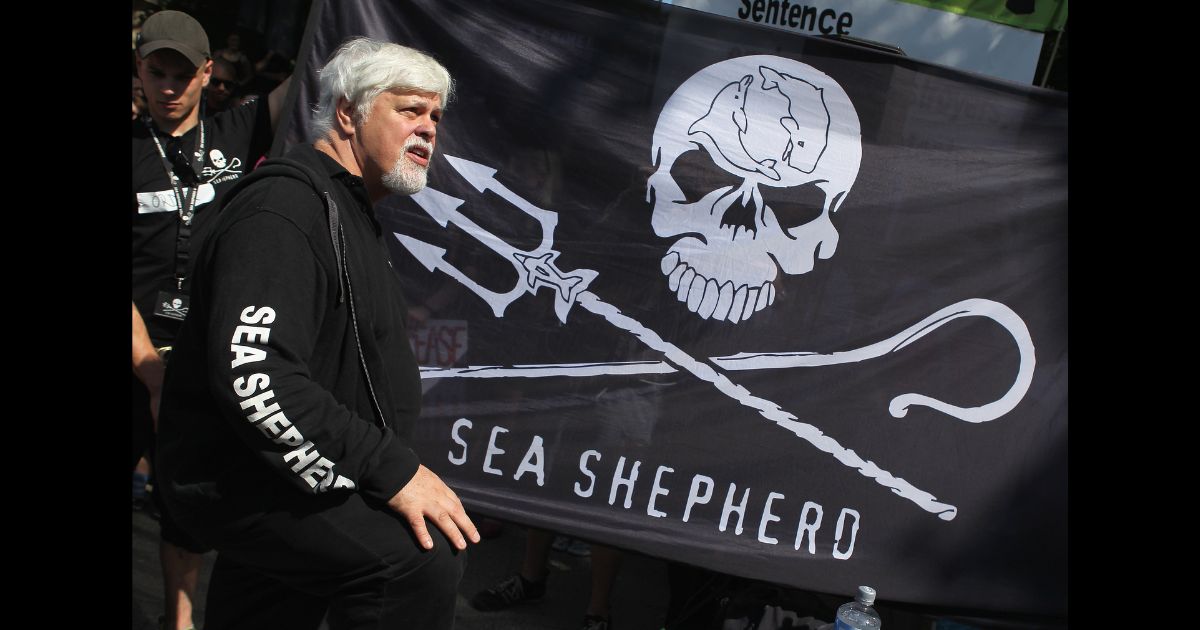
[{"x": 866, "y": 595}]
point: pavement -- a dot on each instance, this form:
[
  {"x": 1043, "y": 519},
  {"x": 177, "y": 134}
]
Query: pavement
[
  {"x": 638, "y": 600},
  {"x": 639, "y": 597}
]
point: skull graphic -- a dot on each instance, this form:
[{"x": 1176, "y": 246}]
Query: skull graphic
[
  {"x": 781, "y": 149},
  {"x": 218, "y": 158}
]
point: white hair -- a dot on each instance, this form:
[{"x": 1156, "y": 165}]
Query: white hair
[{"x": 362, "y": 68}]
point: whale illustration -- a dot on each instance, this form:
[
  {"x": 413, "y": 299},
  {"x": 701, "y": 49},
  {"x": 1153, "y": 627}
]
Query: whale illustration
[
  {"x": 727, "y": 114},
  {"x": 806, "y": 143}
]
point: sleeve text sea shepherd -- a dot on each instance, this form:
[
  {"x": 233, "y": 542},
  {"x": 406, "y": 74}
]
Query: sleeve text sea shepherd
[{"x": 266, "y": 413}]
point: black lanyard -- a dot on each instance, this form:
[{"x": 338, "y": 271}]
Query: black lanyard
[{"x": 186, "y": 204}]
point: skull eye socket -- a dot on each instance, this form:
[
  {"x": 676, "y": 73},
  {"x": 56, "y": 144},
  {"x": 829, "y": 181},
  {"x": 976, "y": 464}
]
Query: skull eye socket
[
  {"x": 697, "y": 175},
  {"x": 794, "y": 206}
]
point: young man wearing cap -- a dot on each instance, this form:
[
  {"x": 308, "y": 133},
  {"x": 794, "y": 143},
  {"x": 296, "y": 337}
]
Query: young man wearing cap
[{"x": 183, "y": 162}]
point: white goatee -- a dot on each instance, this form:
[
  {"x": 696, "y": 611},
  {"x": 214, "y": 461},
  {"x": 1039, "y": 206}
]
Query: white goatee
[{"x": 408, "y": 177}]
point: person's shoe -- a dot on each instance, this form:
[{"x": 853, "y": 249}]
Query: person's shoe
[
  {"x": 489, "y": 528},
  {"x": 511, "y": 591},
  {"x": 162, "y": 623},
  {"x": 139, "y": 486},
  {"x": 596, "y": 622},
  {"x": 579, "y": 549},
  {"x": 149, "y": 507}
]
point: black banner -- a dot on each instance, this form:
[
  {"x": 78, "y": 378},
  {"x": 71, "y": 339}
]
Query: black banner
[{"x": 764, "y": 303}]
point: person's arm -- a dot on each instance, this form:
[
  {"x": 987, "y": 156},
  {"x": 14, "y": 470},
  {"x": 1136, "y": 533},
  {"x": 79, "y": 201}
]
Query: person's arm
[
  {"x": 245, "y": 69},
  {"x": 275, "y": 100},
  {"x": 270, "y": 295},
  {"x": 148, "y": 366}
]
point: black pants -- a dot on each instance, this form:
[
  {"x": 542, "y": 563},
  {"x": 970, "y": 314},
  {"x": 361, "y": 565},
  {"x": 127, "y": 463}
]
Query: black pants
[
  {"x": 143, "y": 444},
  {"x": 287, "y": 568},
  {"x": 143, "y": 422}
]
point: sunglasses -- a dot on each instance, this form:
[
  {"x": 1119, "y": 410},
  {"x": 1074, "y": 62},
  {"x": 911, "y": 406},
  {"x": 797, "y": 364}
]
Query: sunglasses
[
  {"x": 228, "y": 84},
  {"x": 181, "y": 163}
]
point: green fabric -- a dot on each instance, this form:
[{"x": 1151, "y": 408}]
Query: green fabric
[{"x": 1047, "y": 15}]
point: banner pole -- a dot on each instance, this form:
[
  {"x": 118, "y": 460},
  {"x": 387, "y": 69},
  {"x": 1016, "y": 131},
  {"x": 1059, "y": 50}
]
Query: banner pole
[
  {"x": 1053, "y": 53},
  {"x": 279, "y": 144}
]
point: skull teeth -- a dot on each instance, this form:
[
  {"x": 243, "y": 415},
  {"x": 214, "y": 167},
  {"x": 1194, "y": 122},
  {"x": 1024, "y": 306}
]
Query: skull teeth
[
  {"x": 696, "y": 294},
  {"x": 751, "y": 300},
  {"x": 709, "y": 301},
  {"x": 685, "y": 283},
  {"x": 764, "y": 296},
  {"x": 739, "y": 304},
  {"x": 724, "y": 298},
  {"x": 709, "y": 298},
  {"x": 673, "y": 279},
  {"x": 669, "y": 263}
]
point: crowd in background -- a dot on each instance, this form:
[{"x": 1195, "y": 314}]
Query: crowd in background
[{"x": 255, "y": 45}]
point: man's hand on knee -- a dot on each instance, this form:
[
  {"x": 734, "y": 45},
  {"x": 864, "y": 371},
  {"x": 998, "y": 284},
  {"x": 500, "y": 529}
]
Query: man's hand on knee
[{"x": 427, "y": 496}]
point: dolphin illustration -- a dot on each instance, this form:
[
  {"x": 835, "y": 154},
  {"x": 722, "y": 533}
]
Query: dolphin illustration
[
  {"x": 729, "y": 106},
  {"x": 805, "y": 145}
]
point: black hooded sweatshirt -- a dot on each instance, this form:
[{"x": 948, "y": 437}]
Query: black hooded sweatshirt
[{"x": 265, "y": 404}]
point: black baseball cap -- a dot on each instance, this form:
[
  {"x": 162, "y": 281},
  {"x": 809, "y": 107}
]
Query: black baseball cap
[{"x": 177, "y": 31}]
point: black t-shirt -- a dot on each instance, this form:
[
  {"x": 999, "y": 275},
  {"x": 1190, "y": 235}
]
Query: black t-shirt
[{"x": 234, "y": 140}]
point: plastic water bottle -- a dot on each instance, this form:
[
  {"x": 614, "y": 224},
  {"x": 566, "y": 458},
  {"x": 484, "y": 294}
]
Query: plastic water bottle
[{"x": 858, "y": 614}]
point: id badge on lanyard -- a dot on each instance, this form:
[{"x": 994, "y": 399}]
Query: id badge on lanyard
[{"x": 173, "y": 304}]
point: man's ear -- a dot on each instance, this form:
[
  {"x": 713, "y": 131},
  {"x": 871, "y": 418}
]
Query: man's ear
[
  {"x": 345, "y": 117},
  {"x": 207, "y": 73}
]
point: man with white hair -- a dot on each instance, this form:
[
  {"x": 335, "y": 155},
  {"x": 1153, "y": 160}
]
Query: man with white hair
[{"x": 292, "y": 389}]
